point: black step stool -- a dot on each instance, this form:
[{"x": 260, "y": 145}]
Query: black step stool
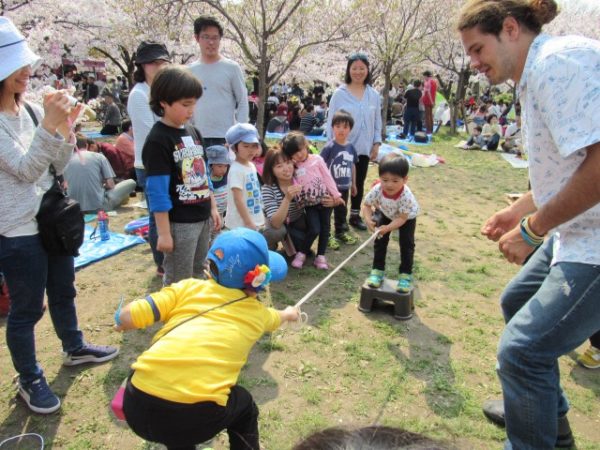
[{"x": 403, "y": 302}]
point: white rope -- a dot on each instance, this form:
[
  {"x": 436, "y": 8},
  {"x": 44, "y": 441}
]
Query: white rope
[
  {"x": 24, "y": 435},
  {"x": 334, "y": 271}
]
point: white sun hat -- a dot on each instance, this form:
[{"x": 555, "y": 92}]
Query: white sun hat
[{"x": 14, "y": 51}]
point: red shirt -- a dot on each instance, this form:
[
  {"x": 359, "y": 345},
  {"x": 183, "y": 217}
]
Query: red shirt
[{"x": 429, "y": 91}]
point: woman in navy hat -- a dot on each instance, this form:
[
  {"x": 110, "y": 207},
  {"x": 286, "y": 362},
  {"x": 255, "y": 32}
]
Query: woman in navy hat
[{"x": 149, "y": 58}]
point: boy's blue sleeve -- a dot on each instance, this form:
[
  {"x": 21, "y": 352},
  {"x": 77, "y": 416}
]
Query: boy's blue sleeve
[{"x": 157, "y": 189}]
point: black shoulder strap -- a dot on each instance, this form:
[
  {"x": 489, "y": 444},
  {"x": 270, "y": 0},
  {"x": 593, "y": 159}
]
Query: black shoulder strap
[
  {"x": 31, "y": 113},
  {"x": 29, "y": 109},
  {"x": 201, "y": 313}
]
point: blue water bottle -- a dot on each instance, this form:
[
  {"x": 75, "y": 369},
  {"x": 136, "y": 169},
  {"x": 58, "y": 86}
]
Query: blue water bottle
[{"x": 103, "y": 226}]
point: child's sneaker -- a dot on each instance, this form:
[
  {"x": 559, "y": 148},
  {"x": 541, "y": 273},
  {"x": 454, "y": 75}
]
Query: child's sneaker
[
  {"x": 38, "y": 396},
  {"x": 346, "y": 238},
  {"x": 404, "y": 283},
  {"x": 590, "y": 358},
  {"x": 298, "y": 261},
  {"x": 334, "y": 243},
  {"x": 375, "y": 278},
  {"x": 320, "y": 262},
  {"x": 90, "y": 353}
]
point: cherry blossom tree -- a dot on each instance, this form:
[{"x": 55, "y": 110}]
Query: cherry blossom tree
[
  {"x": 445, "y": 51},
  {"x": 395, "y": 35},
  {"x": 272, "y": 36}
]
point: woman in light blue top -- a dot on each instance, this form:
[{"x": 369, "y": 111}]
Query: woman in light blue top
[{"x": 362, "y": 101}]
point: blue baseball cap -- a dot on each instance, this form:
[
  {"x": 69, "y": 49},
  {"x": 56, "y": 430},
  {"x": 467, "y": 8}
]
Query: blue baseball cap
[
  {"x": 238, "y": 255},
  {"x": 242, "y": 132},
  {"x": 217, "y": 154}
]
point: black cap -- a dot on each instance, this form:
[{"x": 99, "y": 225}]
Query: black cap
[
  {"x": 427, "y": 73},
  {"x": 149, "y": 51}
]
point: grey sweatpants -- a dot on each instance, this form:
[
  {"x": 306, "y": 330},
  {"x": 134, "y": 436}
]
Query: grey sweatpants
[{"x": 190, "y": 246}]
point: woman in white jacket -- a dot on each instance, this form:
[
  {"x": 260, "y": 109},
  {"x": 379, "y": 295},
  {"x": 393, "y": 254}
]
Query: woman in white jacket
[
  {"x": 362, "y": 101},
  {"x": 26, "y": 152}
]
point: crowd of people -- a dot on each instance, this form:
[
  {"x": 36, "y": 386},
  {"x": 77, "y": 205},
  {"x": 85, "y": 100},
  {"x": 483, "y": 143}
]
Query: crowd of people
[{"x": 222, "y": 203}]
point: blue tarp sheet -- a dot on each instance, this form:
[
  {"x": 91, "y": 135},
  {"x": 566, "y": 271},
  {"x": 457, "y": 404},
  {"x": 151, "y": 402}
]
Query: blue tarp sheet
[
  {"x": 392, "y": 132},
  {"x": 94, "y": 250}
]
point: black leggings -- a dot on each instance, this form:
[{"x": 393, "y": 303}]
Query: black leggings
[
  {"x": 407, "y": 246},
  {"x": 180, "y": 426},
  {"x": 362, "y": 166},
  {"x": 318, "y": 223}
]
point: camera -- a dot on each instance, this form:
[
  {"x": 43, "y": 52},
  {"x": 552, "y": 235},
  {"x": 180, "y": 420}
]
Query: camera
[{"x": 72, "y": 100}]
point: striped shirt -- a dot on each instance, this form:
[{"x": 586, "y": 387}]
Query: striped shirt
[{"x": 273, "y": 197}]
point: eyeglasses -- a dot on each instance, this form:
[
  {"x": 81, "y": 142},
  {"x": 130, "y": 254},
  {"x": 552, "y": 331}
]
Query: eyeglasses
[
  {"x": 206, "y": 37},
  {"x": 356, "y": 56}
]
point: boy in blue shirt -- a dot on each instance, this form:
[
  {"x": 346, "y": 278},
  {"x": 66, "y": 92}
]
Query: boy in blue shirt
[
  {"x": 340, "y": 156},
  {"x": 218, "y": 164}
]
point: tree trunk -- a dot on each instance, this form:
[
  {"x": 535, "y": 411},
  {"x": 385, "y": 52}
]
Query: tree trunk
[
  {"x": 387, "y": 73},
  {"x": 458, "y": 102},
  {"x": 263, "y": 88}
]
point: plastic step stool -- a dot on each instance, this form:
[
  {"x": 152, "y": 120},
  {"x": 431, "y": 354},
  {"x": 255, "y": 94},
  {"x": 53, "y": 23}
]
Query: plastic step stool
[{"x": 403, "y": 302}]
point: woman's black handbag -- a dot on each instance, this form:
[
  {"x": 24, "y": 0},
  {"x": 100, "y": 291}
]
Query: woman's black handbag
[{"x": 60, "y": 221}]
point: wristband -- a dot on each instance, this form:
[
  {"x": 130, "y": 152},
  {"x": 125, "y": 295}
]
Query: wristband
[
  {"x": 530, "y": 232},
  {"x": 528, "y": 236}
]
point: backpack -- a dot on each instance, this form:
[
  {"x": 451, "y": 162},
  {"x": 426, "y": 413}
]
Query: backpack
[
  {"x": 421, "y": 137},
  {"x": 60, "y": 220}
]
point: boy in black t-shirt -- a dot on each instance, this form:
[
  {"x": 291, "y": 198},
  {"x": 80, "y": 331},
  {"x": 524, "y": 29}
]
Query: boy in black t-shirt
[
  {"x": 177, "y": 184},
  {"x": 340, "y": 157}
]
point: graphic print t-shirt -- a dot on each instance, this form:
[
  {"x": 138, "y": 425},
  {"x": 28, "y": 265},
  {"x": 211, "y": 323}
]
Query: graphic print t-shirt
[
  {"x": 177, "y": 153},
  {"x": 340, "y": 159},
  {"x": 244, "y": 178}
]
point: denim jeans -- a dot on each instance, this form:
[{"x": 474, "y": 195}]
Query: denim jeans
[
  {"x": 29, "y": 271},
  {"x": 549, "y": 311},
  {"x": 152, "y": 230}
]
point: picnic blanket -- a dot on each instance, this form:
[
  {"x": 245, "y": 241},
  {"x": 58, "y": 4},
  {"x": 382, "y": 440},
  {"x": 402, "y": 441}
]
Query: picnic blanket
[
  {"x": 94, "y": 250},
  {"x": 392, "y": 131},
  {"x": 93, "y": 134},
  {"x": 517, "y": 163},
  {"x": 415, "y": 159}
]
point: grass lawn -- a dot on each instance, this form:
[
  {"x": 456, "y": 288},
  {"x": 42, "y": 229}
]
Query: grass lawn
[{"x": 429, "y": 374}]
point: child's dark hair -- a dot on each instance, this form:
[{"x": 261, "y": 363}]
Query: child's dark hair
[
  {"x": 173, "y": 83},
  {"x": 274, "y": 156},
  {"x": 342, "y": 116},
  {"x": 203, "y": 22},
  {"x": 293, "y": 143},
  {"x": 126, "y": 125},
  {"x": 394, "y": 164},
  {"x": 368, "y": 438},
  {"x": 478, "y": 128}
]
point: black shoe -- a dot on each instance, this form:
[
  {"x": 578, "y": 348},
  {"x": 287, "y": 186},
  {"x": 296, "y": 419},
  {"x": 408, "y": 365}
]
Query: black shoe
[
  {"x": 494, "y": 410},
  {"x": 357, "y": 222}
]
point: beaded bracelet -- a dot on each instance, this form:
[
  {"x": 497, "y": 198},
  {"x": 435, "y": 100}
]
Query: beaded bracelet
[{"x": 529, "y": 236}]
